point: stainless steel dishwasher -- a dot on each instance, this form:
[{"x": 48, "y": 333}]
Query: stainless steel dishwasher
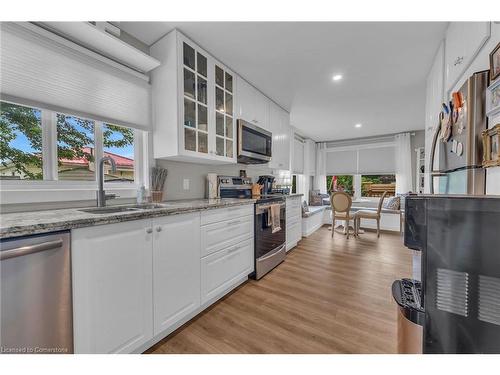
[{"x": 36, "y": 303}]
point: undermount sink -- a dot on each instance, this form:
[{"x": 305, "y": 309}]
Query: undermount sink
[
  {"x": 108, "y": 210},
  {"x": 115, "y": 209}
]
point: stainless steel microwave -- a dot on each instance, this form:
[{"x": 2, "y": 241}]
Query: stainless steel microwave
[{"x": 254, "y": 144}]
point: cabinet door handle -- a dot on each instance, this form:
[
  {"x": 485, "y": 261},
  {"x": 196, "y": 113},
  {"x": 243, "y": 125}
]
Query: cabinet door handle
[
  {"x": 234, "y": 222},
  {"x": 149, "y": 230},
  {"x": 232, "y": 250},
  {"x": 158, "y": 229}
]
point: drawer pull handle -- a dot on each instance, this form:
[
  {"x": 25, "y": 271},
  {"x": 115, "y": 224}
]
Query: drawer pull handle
[
  {"x": 149, "y": 230},
  {"x": 234, "y": 222},
  {"x": 234, "y": 249}
]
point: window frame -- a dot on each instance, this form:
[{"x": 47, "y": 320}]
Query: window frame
[{"x": 50, "y": 182}]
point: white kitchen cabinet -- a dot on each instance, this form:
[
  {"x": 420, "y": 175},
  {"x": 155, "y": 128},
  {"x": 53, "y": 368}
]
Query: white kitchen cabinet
[
  {"x": 176, "y": 268},
  {"x": 216, "y": 236},
  {"x": 298, "y": 156},
  {"x": 112, "y": 287},
  {"x": 309, "y": 157},
  {"x": 279, "y": 123},
  {"x": 223, "y": 269},
  {"x": 193, "y": 103},
  {"x": 227, "y": 249},
  {"x": 293, "y": 221},
  {"x": 253, "y": 106},
  {"x": 463, "y": 42}
]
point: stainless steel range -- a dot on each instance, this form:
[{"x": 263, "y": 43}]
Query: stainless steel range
[{"x": 270, "y": 240}]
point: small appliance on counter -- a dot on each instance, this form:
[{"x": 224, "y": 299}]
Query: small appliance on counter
[
  {"x": 270, "y": 242},
  {"x": 267, "y": 184},
  {"x": 460, "y": 292}
]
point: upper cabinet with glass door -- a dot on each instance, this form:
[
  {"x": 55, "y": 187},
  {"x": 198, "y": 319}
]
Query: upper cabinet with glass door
[
  {"x": 224, "y": 112},
  {"x": 193, "y": 99}
]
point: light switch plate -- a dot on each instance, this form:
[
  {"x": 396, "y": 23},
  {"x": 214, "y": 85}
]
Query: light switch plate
[{"x": 185, "y": 184}]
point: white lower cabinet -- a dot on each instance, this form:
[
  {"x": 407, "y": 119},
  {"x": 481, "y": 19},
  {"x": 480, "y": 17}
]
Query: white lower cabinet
[
  {"x": 176, "y": 268},
  {"x": 293, "y": 221},
  {"x": 221, "y": 270},
  {"x": 135, "y": 282},
  {"x": 227, "y": 249},
  {"x": 112, "y": 283}
]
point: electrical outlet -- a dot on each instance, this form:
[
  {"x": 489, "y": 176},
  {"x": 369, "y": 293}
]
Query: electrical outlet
[{"x": 185, "y": 184}]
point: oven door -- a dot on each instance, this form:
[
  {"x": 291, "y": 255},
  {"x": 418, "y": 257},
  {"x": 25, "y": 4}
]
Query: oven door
[
  {"x": 270, "y": 248},
  {"x": 254, "y": 144}
]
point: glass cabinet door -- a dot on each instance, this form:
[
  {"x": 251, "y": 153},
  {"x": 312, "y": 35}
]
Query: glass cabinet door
[
  {"x": 195, "y": 100},
  {"x": 224, "y": 120}
]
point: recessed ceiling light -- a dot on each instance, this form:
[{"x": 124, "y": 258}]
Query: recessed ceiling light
[
  {"x": 337, "y": 77},
  {"x": 358, "y": 125}
]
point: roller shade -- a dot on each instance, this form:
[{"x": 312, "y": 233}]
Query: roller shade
[
  {"x": 298, "y": 157},
  {"x": 341, "y": 162},
  {"x": 376, "y": 160},
  {"x": 42, "y": 72},
  {"x": 365, "y": 160}
]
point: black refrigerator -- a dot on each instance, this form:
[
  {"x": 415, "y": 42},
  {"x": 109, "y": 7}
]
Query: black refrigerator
[{"x": 459, "y": 237}]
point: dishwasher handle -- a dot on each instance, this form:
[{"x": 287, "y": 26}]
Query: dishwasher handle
[{"x": 25, "y": 250}]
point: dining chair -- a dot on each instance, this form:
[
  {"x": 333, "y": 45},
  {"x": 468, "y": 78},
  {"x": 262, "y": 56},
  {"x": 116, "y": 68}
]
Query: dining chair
[
  {"x": 341, "y": 209},
  {"x": 374, "y": 215}
]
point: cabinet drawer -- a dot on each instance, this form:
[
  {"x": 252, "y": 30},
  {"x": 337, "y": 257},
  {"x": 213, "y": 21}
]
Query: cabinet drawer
[
  {"x": 223, "y": 214},
  {"x": 293, "y": 213},
  {"x": 293, "y": 202},
  {"x": 223, "y": 268},
  {"x": 293, "y": 234},
  {"x": 292, "y": 220},
  {"x": 220, "y": 235}
]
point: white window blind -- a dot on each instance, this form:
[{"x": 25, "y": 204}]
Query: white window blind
[
  {"x": 376, "y": 160},
  {"x": 341, "y": 162},
  {"x": 40, "y": 72},
  {"x": 298, "y": 157}
]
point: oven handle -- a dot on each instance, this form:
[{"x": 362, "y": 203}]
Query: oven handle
[
  {"x": 273, "y": 253},
  {"x": 259, "y": 210}
]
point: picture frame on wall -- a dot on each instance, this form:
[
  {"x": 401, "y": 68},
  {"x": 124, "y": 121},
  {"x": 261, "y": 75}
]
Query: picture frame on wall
[
  {"x": 495, "y": 63},
  {"x": 491, "y": 147}
]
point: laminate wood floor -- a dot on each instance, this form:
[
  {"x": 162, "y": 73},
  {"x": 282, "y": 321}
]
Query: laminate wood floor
[{"x": 329, "y": 296}]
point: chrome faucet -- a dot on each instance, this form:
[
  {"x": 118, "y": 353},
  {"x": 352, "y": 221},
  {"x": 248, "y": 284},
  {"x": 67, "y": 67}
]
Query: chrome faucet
[{"x": 101, "y": 194}]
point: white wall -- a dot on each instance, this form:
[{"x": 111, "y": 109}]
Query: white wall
[
  {"x": 197, "y": 173},
  {"x": 481, "y": 62}
]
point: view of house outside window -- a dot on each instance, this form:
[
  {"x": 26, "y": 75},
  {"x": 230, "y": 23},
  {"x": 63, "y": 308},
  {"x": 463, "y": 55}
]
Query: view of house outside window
[
  {"x": 20, "y": 142},
  {"x": 119, "y": 145},
  {"x": 375, "y": 185},
  {"x": 75, "y": 148}
]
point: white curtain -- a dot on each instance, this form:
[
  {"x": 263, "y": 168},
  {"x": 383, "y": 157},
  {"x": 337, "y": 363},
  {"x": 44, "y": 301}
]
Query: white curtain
[
  {"x": 320, "y": 176},
  {"x": 402, "y": 157}
]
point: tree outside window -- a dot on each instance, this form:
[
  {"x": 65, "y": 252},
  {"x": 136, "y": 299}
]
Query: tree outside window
[
  {"x": 20, "y": 142},
  {"x": 340, "y": 183}
]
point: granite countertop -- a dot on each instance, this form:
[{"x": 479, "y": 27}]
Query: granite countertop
[{"x": 27, "y": 223}]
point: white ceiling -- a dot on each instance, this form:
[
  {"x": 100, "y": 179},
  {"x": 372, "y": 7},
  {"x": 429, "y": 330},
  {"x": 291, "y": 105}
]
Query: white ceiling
[{"x": 384, "y": 66}]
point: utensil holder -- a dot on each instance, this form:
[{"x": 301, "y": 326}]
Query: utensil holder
[{"x": 156, "y": 196}]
